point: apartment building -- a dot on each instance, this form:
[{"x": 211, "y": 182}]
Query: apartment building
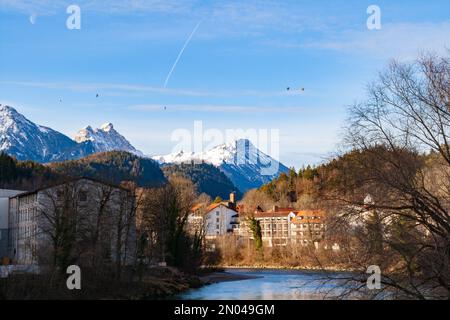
[
  {"x": 283, "y": 226},
  {"x": 217, "y": 219},
  {"x": 87, "y": 206}
]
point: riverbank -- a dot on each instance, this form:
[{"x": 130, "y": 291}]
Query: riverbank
[
  {"x": 278, "y": 267},
  {"x": 151, "y": 284},
  {"x": 223, "y": 276}
]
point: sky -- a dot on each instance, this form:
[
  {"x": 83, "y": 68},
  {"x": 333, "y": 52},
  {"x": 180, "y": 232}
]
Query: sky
[{"x": 235, "y": 60}]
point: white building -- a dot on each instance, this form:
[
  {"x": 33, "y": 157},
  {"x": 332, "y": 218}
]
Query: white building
[
  {"x": 220, "y": 219},
  {"x": 4, "y": 221},
  {"x": 217, "y": 219}
]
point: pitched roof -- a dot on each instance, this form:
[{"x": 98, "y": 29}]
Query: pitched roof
[
  {"x": 277, "y": 209},
  {"x": 271, "y": 214},
  {"x": 198, "y": 206},
  {"x": 216, "y": 205},
  {"x": 70, "y": 180}
]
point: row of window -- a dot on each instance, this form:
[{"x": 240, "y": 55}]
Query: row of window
[
  {"x": 267, "y": 219},
  {"x": 313, "y": 226},
  {"x": 274, "y": 226}
]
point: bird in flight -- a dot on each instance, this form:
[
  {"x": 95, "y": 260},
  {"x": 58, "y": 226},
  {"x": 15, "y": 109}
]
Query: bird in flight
[{"x": 300, "y": 89}]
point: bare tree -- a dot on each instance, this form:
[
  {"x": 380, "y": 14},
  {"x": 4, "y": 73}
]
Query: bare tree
[
  {"x": 400, "y": 138},
  {"x": 165, "y": 212}
]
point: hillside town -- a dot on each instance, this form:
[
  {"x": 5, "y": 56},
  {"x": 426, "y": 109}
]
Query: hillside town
[{"x": 279, "y": 226}]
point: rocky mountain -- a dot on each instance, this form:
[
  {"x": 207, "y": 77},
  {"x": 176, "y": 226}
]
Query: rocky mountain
[
  {"x": 25, "y": 140},
  {"x": 245, "y": 165},
  {"x": 106, "y": 138}
]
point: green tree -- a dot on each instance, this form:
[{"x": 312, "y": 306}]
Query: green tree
[{"x": 255, "y": 227}]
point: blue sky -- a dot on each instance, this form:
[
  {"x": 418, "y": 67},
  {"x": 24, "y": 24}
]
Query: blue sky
[{"x": 233, "y": 74}]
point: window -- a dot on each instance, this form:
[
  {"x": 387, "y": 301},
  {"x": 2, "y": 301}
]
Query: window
[{"x": 217, "y": 220}]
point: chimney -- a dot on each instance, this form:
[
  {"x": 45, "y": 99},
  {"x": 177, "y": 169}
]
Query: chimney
[{"x": 275, "y": 209}]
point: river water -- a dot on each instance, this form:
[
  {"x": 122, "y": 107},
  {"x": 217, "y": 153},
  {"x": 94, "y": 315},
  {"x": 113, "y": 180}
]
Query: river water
[{"x": 272, "y": 285}]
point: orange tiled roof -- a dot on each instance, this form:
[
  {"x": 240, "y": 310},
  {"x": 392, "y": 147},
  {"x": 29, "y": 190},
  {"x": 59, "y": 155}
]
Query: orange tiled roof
[
  {"x": 197, "y": 206},
  {"x": 287, "y": 209},
  {"x": 308, "y": 216},
  {"x": 271, "y": 214}
]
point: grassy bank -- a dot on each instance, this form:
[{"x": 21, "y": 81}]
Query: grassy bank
[
  {"x": 286, "y": 267},
  {"x": 155, "y": 283}
]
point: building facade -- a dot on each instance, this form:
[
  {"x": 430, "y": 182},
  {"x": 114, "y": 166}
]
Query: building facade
[
  {"x": 217, "y": 219},
  {"x": 4, "y": 222},
  {"x": 286, "y": 226},
  {"x": 97, "y": 216}
]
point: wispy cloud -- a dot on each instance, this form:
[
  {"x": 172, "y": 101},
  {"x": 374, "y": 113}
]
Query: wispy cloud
[
  {"x": 49, "y": 7},
  {"x": 116, "y": 88},
  {"x": 218, "y": 108},
  {"x": 400, "y": 40},
  {"x": 250, "y": 17}
]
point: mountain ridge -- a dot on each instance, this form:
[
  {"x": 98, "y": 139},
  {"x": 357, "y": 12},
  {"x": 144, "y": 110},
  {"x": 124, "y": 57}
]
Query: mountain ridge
[
  {"x": 25, "y": 140},
  {"x": 244, "y": 164}
]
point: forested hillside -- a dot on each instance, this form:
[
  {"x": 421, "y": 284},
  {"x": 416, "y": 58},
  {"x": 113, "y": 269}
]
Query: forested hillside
[{"x": 207, "y": 178}]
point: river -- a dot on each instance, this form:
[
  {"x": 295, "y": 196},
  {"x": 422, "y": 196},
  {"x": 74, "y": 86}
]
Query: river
[{"x": 271, "y": 285}]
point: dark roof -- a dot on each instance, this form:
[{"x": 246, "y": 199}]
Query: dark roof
[{"x": 69, "y": 180}]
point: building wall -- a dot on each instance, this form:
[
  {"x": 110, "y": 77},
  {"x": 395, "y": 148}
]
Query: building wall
[
  {"x": 4, "y": 211},
  {"x": 281, "y": 230},
  {"x": 32, "y": 217},
  {"x": 218, "y": 221},
  {"x": 276, "y": 230},
  {"x": 4, "y": 220}
]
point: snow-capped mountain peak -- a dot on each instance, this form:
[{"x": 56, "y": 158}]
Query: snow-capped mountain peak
[
  {"x": 105, "y": 138},
  {"x": 237, "y": 152},
  {"x": 28, "y": 141},
  {"x": 107, "y": 127},
  {"x": 240, "y": 160}
]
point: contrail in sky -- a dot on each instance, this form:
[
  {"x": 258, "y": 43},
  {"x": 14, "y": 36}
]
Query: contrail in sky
[{"x": 181, "y": 53}]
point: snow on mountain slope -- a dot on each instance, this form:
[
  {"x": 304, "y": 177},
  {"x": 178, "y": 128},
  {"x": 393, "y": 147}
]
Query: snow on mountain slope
[
  {"x": 27, "y": 141},
  {"x": 245, "y": 165},
  {"x": 106, "y": 138}
]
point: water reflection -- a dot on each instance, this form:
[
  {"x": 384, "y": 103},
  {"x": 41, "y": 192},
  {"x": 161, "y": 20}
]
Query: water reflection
[{"x": 272, "y": 285}]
